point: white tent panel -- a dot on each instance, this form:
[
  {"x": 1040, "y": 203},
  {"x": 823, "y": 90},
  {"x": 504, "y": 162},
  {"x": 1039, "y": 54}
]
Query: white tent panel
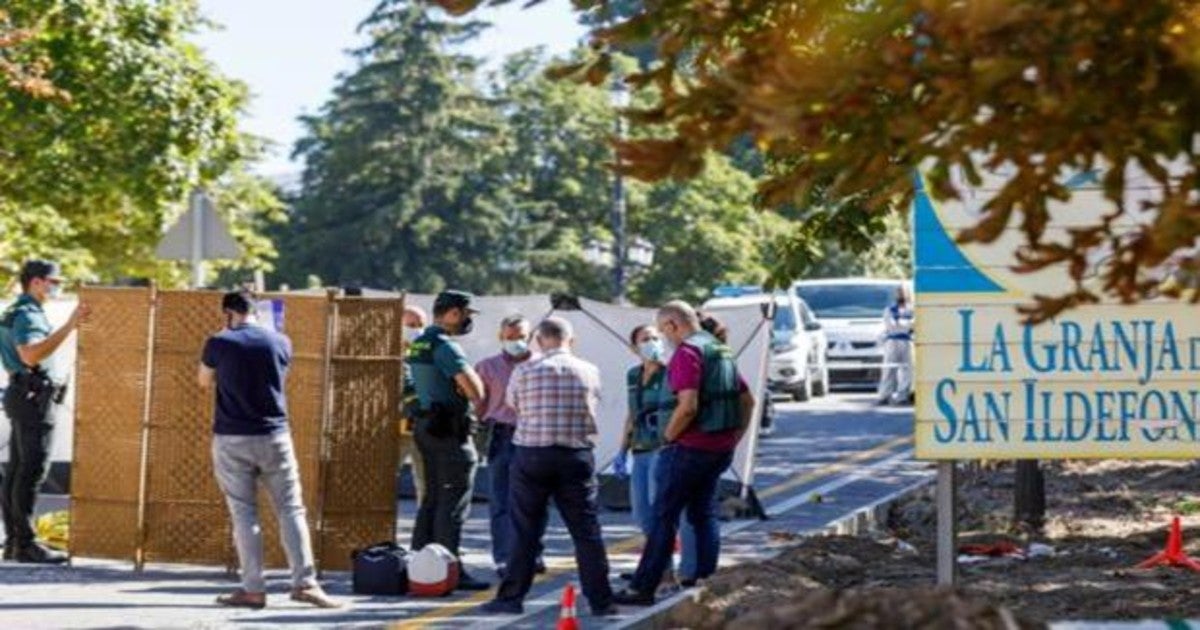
[{"x": 602, "y": 333}]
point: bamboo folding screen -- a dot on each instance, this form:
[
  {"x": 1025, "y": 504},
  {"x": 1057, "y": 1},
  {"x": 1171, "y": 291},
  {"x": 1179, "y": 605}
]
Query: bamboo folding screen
[{"x": 142, "y": 484}]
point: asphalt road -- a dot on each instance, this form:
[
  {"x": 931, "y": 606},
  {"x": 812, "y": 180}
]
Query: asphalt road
[{"x": 842, "y": 448}]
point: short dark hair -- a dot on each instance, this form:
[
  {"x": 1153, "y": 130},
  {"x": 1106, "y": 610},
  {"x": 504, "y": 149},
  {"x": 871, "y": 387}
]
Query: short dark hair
[
  {"x": 35, "y": 269},
  {"x": 637, "y": 330},
  {"x": 713, "y": 326},
  {"x": 442, "y": 309},
  {"x": 240, "y": 302}
]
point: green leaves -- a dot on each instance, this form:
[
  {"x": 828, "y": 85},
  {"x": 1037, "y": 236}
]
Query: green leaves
[
  {"x": 140, "y": 118},
  {"x": 422, "y": 174},
  {"x": 852, "y": 97}
]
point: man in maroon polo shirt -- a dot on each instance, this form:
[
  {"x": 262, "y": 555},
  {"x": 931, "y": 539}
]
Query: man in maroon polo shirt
[{"x": 711, "y": 408}]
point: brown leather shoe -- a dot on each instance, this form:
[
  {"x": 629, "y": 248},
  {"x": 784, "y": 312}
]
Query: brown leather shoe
[
  {"x": 243, "y": 599},
  {"x": 316, "y": 596}
]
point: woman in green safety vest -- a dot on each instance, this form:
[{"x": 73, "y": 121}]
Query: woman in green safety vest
[{"x": 646, "y": 384}]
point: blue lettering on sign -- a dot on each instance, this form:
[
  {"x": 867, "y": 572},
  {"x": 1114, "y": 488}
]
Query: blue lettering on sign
[
  {"x": 1098, "y": 357},
  {"x": 947, "y": 411},
  {"x": 997, "y": 360},
  {"x": 1083, "y": 414},
  {"x": 1138, "y": 349},
  {"x": 1050, "y": 364},
  {"x": 1169, "y": 349},
  {"x": 1185, "y": 411},
  {"x": 1104, "y": 413},
  {"x": 1153, "y": 433},
  {"x": 1125, "y": 343},
  {"x": 1072, "y": 334}
]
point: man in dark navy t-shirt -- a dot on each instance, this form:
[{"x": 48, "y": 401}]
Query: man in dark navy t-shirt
[
  {"x": 252, "y": 444},
  {"x": 251, "y": 364}
]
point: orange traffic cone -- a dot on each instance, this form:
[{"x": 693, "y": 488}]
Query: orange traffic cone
[
  {"x": 1173, "y": 556},
  {"x": 566, "y": 616}
]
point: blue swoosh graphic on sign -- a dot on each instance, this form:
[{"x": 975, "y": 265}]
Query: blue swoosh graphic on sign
[{"x": 941, "y": 266}]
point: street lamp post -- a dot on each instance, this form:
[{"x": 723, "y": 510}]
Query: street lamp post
[{"x": 620, "y": 100}]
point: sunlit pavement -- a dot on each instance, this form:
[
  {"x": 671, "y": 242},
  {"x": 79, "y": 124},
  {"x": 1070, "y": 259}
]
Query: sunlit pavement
[{"x": 842, "y": 447}]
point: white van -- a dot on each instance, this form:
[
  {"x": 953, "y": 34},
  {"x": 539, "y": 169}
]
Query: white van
[
  {"x": 851, "y": 312},
  {"x": 798, "y": 345}
]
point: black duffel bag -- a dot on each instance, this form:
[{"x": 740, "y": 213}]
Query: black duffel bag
[{"x": 381, "y": 569}]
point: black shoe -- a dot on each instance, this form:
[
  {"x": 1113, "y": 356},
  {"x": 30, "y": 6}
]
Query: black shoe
[
  {"x": 687, "y": 583},
  {"x": 540, "y": 567},
  {"x": 10, "y": 551},
  {"x": 628, "y": 577},
  {"x": 630, "y": 597},
  {"x": 468, "y": 583},
  {"x": 497, "y": 607},
  {"x": 610, "y": 610},
  {"x": 37, "y": 553}
]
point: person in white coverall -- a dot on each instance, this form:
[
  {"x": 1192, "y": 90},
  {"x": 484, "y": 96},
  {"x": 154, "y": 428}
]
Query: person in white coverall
[{"x": 895, "y": 382}]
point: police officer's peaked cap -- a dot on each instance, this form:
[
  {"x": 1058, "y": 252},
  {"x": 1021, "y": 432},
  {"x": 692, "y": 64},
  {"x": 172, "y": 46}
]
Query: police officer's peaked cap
[
  {"x": 34, "y": 269},
  {"x": 453, "y": 299}
]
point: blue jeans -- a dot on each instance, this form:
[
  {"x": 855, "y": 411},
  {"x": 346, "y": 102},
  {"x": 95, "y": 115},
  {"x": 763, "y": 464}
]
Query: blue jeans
[
  {"x": 499, "y": 459},
  {"x": 641, "y": 498},
  {"x": 687, "y": 481}
]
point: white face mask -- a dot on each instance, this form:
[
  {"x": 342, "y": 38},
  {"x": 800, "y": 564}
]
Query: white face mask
[
  {"x": 56, "y": 291},
  {"x": 515, "y": 348},
  {"x": 651, "y": 350},
  {"x": 411, "y": 333}
]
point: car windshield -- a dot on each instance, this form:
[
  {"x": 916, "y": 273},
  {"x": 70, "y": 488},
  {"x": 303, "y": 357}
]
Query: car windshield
[
  {"x": 785, "y": 318},
  {"x": 845, "y": 301}
]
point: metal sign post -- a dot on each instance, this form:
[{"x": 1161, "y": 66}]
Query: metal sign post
[{"x": 947, "y": 534}]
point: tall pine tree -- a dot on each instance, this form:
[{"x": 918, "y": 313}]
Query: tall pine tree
[{"x": 392, "y": 163}]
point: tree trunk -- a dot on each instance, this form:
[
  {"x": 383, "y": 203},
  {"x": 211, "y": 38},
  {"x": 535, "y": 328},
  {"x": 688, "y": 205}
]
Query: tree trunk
[{"x": 1029, "y": 507}]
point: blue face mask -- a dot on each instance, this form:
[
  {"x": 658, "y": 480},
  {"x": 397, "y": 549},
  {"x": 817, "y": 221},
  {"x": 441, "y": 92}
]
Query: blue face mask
[
  {"x": 651, "y": 350},
  {"x": 516, "y": 348}
]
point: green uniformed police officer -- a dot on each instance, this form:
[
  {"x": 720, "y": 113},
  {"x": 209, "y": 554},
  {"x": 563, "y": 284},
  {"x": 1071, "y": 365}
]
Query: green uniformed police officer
[
  {"x": 447, "y": 389},
  {"x": 26, "y": 343}
]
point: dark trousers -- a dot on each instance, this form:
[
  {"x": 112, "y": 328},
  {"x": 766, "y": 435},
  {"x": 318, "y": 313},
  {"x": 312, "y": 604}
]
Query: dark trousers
[
  {"x": 28, "y": 462},
  {"x": 449, "y": 477},
  {"x": 569, "y": 477},
  {"x": 500, "y": 457},
  {"x": 687, "y": 480}
]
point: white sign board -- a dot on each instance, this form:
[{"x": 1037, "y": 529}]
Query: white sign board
[{"x": 1107, "y": 380}]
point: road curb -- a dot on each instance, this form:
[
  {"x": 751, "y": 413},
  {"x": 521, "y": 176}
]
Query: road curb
[{"x": 861, "y": 521}]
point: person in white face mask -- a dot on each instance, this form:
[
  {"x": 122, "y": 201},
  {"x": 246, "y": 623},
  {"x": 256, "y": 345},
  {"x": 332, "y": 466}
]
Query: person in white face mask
[
  {"x": 414, "y": 322},
  {"x": 27, "y": 345},
  {"x": 646, "y": 387},
  {"x": 499, "y": 423}
]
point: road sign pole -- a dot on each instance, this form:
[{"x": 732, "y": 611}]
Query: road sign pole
[
  {"x": 947, "y": 536},
  {"x": 197, "y": 252}
]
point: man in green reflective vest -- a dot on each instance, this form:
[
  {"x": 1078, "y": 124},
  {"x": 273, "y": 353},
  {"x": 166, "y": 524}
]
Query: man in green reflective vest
[
  {"x": 26, "y": 344},
  {"x": 710, "y": 407},
  {"x": 448, "y": 389}
]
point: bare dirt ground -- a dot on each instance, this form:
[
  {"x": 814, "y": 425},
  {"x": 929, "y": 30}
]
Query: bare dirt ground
[{"x": 1102, "y": 519}]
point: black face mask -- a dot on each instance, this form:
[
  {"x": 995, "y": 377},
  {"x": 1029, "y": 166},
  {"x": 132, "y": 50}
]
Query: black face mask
[{"x": 468, "y": 325}]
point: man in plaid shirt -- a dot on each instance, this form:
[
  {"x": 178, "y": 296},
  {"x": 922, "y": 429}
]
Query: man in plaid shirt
[{"x": 556, "y": 396}]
